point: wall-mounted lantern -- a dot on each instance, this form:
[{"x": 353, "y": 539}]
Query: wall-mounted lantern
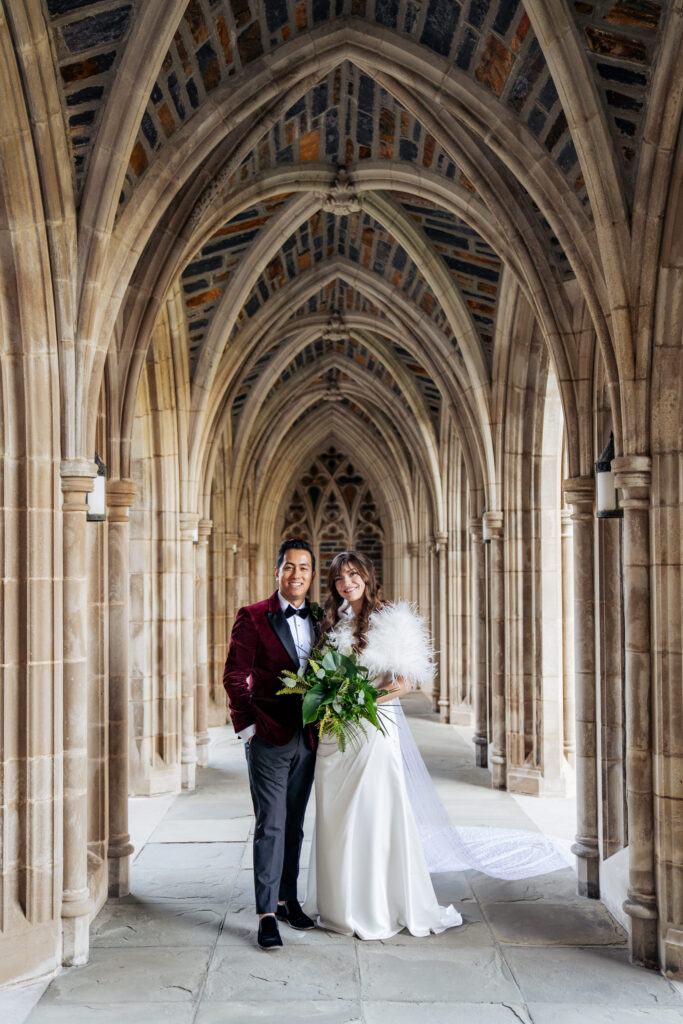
[
  {"x": 606, "y": 492},
  {"x": 97, "y": 505},
  {"x": 485, "y": 528}
]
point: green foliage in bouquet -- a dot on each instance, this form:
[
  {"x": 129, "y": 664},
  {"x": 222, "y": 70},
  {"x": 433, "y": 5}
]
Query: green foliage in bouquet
[{"x": 338, "y": 695}]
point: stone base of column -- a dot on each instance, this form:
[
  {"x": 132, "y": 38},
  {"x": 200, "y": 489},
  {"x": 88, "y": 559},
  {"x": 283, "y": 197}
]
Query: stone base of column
[
  {"x": 203, "y": 750},
  {"x": 444, "y": 711},
  {"x": 498, "y": 770},
  {"x": 461, "y": 714},
  {"x": 532, "y": 782},
  {"x": 188, "y": 773},
  {"x": 75, "y": 941},
  {"x": 481, "y": 751},
  {"x": 642, "y": 909},
  {"x": 435, "y": 703},
  {"x": 673, "y": 954},
  {"x": 587, "y": 868},
  {"x": 118, "y": 864},
  {"x": 158, "y": 782},
  {"x": 76, "y": 929}
]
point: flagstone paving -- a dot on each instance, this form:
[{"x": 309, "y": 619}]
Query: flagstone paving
[{"x": 181, "y": 948}]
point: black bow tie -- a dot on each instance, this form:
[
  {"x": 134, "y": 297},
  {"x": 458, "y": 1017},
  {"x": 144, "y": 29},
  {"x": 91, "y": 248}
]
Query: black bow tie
[{"x": 303, "y": 613}]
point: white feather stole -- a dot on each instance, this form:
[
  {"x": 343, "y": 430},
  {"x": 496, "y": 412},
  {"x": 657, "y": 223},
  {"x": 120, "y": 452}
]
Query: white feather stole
[{"x": 398, "y": 644}]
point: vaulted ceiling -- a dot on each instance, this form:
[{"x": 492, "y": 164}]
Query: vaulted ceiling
[{"x": 348, "y": 222}]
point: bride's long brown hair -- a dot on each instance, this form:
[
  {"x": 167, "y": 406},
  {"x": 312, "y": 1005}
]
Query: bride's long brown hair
[{"x": 372, "y": 598}]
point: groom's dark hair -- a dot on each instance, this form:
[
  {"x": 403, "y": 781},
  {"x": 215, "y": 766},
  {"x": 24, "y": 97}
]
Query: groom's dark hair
[{"x": 294, "y": 545}]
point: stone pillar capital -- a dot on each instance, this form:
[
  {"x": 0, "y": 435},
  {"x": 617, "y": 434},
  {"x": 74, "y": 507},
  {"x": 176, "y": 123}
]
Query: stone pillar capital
[
  {"x": 189, "y": 523},
  {"x": 494, "y": 523},
  {"x": 413, "y": 547},
  {"x": 476, "y": 528},
  {"x": 632, "y": 476},
  {"x": 440, "y": 542},
  {"x": 69, "y": 468},
  {"x": 204, "y": 528},
  {"x": 566, "y": 522},
  {"x": 579, "y": 492},
  {"x": 120, "y": 497},
  {"x": 77, "y": 479}
]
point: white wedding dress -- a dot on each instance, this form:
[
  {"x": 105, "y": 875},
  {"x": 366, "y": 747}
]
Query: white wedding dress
[
  {"x": 368, "y": 875},
  {"x": 380, "y": 825}
]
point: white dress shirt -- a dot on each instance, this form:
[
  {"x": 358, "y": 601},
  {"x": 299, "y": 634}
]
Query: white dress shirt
[{"x": 303, "y": 636}]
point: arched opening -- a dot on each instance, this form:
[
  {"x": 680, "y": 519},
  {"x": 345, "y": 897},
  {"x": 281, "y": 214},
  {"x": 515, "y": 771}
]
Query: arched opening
[{"x": 332, "y": 507}]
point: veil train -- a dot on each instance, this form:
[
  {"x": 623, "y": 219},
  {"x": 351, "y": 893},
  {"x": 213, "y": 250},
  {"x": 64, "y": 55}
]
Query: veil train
[{"x": 502, "y": 853}]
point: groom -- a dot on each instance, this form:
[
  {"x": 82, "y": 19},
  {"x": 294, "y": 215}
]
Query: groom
[{"x": 267, "y": 638}]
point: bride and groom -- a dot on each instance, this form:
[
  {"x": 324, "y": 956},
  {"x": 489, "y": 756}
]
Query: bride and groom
[{"x": 368, "y": 875}]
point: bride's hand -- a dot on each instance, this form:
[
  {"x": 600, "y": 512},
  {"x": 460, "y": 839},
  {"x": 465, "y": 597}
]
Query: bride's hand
[{"x": 399, "y": 688}]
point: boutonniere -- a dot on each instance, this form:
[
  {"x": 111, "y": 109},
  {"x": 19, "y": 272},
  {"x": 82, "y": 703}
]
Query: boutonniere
[{"x": 316, "y": 610}]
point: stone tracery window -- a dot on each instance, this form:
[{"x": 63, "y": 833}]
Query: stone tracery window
[{"x": 332, "y": 507}]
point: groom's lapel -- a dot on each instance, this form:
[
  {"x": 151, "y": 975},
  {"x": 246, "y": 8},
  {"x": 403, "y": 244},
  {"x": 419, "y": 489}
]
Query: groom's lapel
[{"x": 280, "y": 626}]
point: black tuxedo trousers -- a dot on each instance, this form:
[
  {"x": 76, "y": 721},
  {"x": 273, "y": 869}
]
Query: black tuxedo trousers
[{"x": 280, "y": 779}]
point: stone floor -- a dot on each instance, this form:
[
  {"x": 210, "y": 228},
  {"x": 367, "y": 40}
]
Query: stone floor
[{"x": 181, "y": 948}]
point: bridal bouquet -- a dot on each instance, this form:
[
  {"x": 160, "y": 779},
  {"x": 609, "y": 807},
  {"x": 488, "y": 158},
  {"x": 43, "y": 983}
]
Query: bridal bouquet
[{"x": 338, "y": 695}]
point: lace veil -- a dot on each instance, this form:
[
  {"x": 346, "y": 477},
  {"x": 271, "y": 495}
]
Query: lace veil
[{"x": 503, "y": 853}]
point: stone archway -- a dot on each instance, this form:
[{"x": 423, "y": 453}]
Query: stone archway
[{"x": 331, "y": 505}]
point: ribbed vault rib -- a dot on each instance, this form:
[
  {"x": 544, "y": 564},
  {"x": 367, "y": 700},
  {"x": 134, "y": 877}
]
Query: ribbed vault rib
[
  {"x": 439, "y": 358},
  {"x": 382, "y": 404}
]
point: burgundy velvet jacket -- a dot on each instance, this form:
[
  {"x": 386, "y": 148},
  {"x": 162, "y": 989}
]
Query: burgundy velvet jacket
[{"x": 261, "y": 646}]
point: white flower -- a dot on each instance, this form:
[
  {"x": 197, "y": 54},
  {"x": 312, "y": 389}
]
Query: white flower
[
  {"x": 290, "y": 682},
  {"x": 336, "y": 705},
  {"x": 360, "y": 699}
]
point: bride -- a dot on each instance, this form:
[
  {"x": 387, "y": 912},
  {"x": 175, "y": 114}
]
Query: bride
[{"x": 368, "y": 875}]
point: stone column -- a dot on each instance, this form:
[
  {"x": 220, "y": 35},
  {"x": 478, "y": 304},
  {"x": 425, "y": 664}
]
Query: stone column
[
  {"x": 253, "y": 550},
  {"x": 569, "y": 715},
  {"x": 414, "y": 553},
  {"x": 478, "y": 660},
  {"x": 189, "y": 522},
  {"x": 632, "y": 477},
  {"x": 120, "y": 496},
  {"x": 202, "y": 687},
  {"x": 610, "y": 673},
  {"x": 580, "y": 494},
  {"x": 440, "y": 541},
  {"x": 232, "y": 542},
  {"x": 494, "y": 522},
  {"x": 77, "y": 481}
]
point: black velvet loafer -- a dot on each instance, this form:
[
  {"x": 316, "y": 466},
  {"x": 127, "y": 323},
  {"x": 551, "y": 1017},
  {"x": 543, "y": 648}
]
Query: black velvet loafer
[
  {"x": 269, "y": 933},
  {"x": 291, "y": 912}
]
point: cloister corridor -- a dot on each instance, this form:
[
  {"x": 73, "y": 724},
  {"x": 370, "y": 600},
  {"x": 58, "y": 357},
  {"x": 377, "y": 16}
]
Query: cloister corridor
[
  {"x": 180, "y": 948},
  {"x": 402, "y": 276}
]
